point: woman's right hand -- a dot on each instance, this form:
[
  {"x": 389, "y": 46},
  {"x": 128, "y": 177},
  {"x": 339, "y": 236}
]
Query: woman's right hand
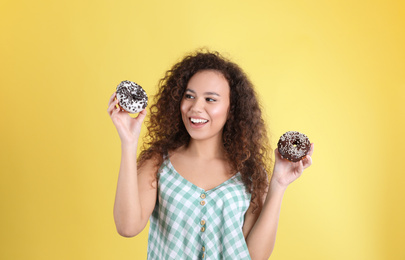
[{"x": 128, "y": 128}]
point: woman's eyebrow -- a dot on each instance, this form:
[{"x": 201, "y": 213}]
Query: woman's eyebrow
[
  {"x": 211, "y": 93},
  {"x": 190, "y": 90},
  {"x": 205, "y": 93}
]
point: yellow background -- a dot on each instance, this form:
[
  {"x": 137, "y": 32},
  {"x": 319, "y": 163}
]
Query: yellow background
[{"x": 334, "y": 70}]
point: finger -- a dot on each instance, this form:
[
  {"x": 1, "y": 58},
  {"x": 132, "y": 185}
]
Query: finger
[
  {"x": 277, "y": 155},
  {"x": 113, "y": 113},
  {"x": 118, "y": 110},
  {"x": 311, "y": 150},
  {"x": 112, "y": 98},
  {"x": 307, "y": 161},
  {"x": 141, "y": 116},
  {"x": 112, "y": 106}
]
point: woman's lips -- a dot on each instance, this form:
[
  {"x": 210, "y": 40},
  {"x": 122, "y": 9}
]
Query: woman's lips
[{"x": 197, "y": 122}]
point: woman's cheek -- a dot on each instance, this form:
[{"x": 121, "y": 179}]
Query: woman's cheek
[{"x": 220, "y": 114}]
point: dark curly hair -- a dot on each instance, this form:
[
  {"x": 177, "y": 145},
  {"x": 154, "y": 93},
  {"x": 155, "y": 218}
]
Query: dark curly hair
[{"x": 244, "y": 135}]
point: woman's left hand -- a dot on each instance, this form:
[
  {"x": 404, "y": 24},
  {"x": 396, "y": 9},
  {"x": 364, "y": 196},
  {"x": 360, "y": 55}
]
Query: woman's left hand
[{"x": 285, "y": 172}]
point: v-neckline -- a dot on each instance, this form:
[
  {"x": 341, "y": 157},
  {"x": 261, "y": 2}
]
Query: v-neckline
[{"x": 198, "y": 187}]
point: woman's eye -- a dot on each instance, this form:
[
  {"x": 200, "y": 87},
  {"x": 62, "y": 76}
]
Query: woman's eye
[
  {"x": 210, "y": 99},
  {"x": 188, "y": 96}
]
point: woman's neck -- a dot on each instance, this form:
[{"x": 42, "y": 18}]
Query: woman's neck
[{"x": 205, "y": 149}]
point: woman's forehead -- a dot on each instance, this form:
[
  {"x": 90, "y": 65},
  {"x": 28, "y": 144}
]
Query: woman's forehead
[{"x": 208, "y": 82}]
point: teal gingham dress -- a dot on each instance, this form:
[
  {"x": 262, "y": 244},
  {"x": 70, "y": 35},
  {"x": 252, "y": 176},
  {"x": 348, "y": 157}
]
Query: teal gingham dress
[{"x": 189, "y": 222}]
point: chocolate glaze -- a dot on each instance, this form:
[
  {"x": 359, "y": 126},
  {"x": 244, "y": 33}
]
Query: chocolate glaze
[
  {"x": 293, "y": 146},
  {"x": 131, "y": 97}
]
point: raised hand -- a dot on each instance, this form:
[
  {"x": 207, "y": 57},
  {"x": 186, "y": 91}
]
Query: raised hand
[
  {"x": 128, "y": 128},
  {"x": 285, "y": 172}
]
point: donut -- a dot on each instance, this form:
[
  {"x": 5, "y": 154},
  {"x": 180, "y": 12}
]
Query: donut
[
  {"x": 131, "y": 97},
  {"x": 293, "y": 146}
]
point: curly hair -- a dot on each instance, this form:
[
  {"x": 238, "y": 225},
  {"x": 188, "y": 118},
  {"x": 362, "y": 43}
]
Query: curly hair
[{"x": 244, "y": 134}]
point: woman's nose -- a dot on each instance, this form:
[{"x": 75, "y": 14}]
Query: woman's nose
[{"x": 198, "y": 106}]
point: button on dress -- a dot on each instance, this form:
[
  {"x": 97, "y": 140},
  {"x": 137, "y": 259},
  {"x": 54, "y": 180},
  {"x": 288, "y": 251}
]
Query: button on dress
[{"x": 189, "y": 222}]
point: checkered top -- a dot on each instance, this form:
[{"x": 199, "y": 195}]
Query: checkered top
[{"x": 189, "y": 222}]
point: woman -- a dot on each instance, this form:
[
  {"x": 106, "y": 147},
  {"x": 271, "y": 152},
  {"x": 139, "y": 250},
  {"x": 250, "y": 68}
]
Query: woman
[{"x": 202, "y": 178}]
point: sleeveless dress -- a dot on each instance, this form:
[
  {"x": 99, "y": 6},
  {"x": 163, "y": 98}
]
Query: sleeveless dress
[{"x": 189, "y": 222}]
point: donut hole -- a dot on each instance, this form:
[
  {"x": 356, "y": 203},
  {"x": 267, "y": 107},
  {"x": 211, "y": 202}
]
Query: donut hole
[{"x": 296, "y": 143}]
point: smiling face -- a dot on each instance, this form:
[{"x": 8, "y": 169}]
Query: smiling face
[{"x": 205, "y": 105}]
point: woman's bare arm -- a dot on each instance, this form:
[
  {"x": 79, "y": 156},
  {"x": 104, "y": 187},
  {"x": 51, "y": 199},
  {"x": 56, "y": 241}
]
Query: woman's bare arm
[
  {"x": 136, "y": 188},
  {"x": 260, "y": 229},
  {"x": 136, "y": 194}
]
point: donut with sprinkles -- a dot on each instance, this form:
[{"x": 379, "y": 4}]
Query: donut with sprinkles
[
  {"x": 293, "y": 146},
  {"x": 131, "y": 97}
]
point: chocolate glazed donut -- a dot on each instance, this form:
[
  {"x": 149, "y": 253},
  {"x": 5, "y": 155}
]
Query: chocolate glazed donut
[
  {"x": 131, "y": 97},
  {"x": 293, "y": 146}
]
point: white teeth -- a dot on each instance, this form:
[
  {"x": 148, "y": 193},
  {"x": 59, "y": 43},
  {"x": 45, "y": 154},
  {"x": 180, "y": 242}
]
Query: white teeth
[{"x": 197, "y": 121}]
